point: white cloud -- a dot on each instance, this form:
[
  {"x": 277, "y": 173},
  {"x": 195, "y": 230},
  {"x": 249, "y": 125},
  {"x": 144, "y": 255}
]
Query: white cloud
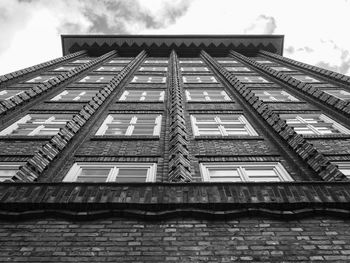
[{"x": 313, "y": 29}]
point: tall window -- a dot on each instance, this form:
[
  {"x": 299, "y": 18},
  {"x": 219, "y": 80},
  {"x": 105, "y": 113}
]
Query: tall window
[
  {"x": 190, "y": 69},
  {"x": 153, "y": 69},
  {"x": 244, "y": 172},
  {"x": 221, "y": 125},
  {"x": 129, "y": 124},
  {"x": 75, "y": 95},
  {"x": 237, "y": 69},
  {"x": 37, "y": 124},
  {"x": 274, "y": 95},
  {"x": 97, "y": 79},
  {"x": 199, "y": 79},
  {"x": 314, "y": 124},
  {"x": 282, "y": 69},
  {"x": 148, "y": 79},
  {"x": 206, "y": 95},
  {"x": 41, "y": 79},
  {"x": 339, "y": 93},
  {"x": 109, "y": 68},
  {"x": 251, "y": 79},
  {"x": 8, "y": 170},
  {"x": 304, "y": 78},
  {"x": 65, "y": 68},
  {"x": 142, "y": 95},
  {"x": 8, "y": 94},
  {"x": 112, "y": 172}
]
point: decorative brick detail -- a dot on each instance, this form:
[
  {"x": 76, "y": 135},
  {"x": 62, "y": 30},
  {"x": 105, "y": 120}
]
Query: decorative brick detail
[
  {"x": 296, "y": 142},
  {"x": 41, "y": 160},
  {"x": 22, "y": 72},
  {"x": 179, "y": 163},
  {"x": 307, "y": 88}
]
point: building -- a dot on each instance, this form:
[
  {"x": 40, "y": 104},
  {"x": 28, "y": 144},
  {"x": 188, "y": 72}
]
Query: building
[{"x": 174, "y": 148}]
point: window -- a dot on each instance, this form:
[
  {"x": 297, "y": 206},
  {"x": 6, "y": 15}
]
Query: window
[
  {"x": 186, "y": 69},
  {"x": 119, "y": 61},
  {"x": 156, "y": 61},
  {"x": 344, "y": 167},
  {"x": 221, "y": 125},
  {"x": 251, "y": 79},
  {"x": 142, "y": 95},
  {"x": 109, "y": 68},
  {"x": 314, "y": 124},
  {"x": 153, "y": 69},
  {"x": 339, "y": 93},
  {"x": 304, "y": 78},
  {"x": 75, "y": 95},
  {"x": 81, "y": 61},
  {"x": 41, "y": 79},
  {"x": 112, "y": 172},
  {"x": 274, "y": 95},
  {"x": 264, "y": 61},
  {"x": 206, "y": 95},
  {"x": 147, "y": 79},
  {"x": 199, "y": 79},
  {"x": 227, "y": 61},
  {"x": 238, "y": 69},
  {"x": 64, "y": 68},
  {"x": 37, "y": 124},
  {"x": 195, "y": 61},
  {"x": 97, "y": 79},
  {"x": 282, "y": 69},
  {"x": 8, "y": 94},
  {"x": 8, "y": 170},
  {"x": 128, "y": 124},
  {"x": 244, "y": 172}
]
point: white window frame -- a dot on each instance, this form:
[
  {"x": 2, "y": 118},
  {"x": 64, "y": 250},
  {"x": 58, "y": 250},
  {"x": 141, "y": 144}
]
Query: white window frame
[
  {"x": 109, "y": 68},
  {"x": 262, "y": 80},
  {"x": 87, "y": 79},
  {"x": 271, "y": 97},
  {"x": 133, "y": 120},
  {"x": 262, "y": 61},
  {"x": 343, "y": 166},
  {"x": 238, "y": 69},
  {"x": 206, "y": 96},
  {"x": 119, "y": 61},
  {"x": 194, "y": 69},
  {"x": 40, "y": 125},
  {"x": 160, "y": 69},
  {"x": 277, "y": 167},
  {"x": 76, "y": 169},
  {"x": 312, "y": 79},
  {"x": 311, "y": 126},
  {"x": 143, "y": 95},
  {"x": 227, "y": 61},
  {"x": 221, "y": 126},
  {"x": 78, "y": 97},
  {"x": 191, "y": 61},
  {"x": 136, "y": 79},
  {"x": 212, "y": 78},
  {"x": 9, "y": 166},
  {"x": 281, "y": 68},
  {"x": 37, "y": 79},
  {"x": 159, "y": 61},
  {"x": 337, "y": 93},
  {"x": 4, "y": 92}
]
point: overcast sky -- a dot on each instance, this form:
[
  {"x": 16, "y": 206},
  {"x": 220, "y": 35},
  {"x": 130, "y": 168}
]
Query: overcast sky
[{"x": 315, "y": 30}]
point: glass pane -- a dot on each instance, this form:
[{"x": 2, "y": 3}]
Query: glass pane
[{"x": 8, "y": 173}]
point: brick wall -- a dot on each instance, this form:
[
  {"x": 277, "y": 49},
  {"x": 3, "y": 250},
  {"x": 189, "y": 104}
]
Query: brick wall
[{"x": 180, "y": 240}]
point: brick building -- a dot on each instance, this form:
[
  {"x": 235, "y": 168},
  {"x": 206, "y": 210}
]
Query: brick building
[{"x": 174, "y": 148}]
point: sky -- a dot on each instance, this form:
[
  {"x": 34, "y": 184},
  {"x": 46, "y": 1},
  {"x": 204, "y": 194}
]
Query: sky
[{"x": 315, "y": 30}]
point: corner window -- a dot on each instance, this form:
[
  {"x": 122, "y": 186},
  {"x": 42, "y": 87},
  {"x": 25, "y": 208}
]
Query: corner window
[
  {"x": 206, "y": 95},
  {"x": 75, "y": 95},
  {"x": 163, "y": 69},
  {"x": 274, "y": 95},
  {"x": 199, "y": 79},
  {"x": 339, "y": 93},
  {"x": 314, "y": 124},
  {"x": 37, "y": 124},
  {"x": 8, "y": 170},
  {"x": 112, "y": 172},
  {"x": 221, "y": 125},
  {"x": 97, "y": 79},
  {"x": 251, "y": 79},
  {"x": 41, "y": 79},
  {"x": 304, "y": 78},
  {"x": 129, "y": 124},
  {"x": 244, "y": 172},
  {"x": 142, "y": 95},
  {"x": 109, "y": 68},
  {"x": 148, "y": 79},
  {"x": 8, "y": 94},
  {"x": 194, "y": 69},
  {"x": 65, "y": 68},
  {"x": 237, "y": 69}
]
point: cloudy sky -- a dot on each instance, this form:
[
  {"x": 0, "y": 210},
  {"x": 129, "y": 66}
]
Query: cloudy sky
[{"x": 315, "y": 30}]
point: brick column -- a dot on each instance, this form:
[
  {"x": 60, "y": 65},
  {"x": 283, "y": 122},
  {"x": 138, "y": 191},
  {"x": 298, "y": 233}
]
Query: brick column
[
  {"x": 296, "y": 142},
  {"x": 50, "y": 151},
  {"x": 179, "y": 163},
  {"x": 307, "y": 88}
]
